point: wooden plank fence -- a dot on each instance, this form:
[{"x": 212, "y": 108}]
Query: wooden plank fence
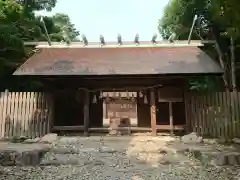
[
  {"x": 30, "y": 114},
  {"x": 214, "y": 115},
  {"x": 25, "y": 114}
]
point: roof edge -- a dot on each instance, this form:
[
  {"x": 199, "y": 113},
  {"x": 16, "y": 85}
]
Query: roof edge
[{"x": 164, "y": 43}]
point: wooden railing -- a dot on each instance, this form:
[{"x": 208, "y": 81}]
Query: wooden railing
[
  {"x": 25, "y": 114},
  {"x": 213, "y": 114}
]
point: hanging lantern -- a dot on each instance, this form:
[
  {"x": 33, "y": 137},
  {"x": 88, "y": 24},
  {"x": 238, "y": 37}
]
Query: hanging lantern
[
  {"x": 107, "y": 98},
  {"x": 94, "y": 99},
  {"x": 140, "y": 94},
  {"x": 127, "y": 94},
  {"x": 100, "y": 95},
  {"x": 145, "y": 100},
  {"x": 130, "y": 106},
  {"x": 159, "y": 98},
  {"x": 114, "y": 94},
  {"x": 133, "y": 98}
]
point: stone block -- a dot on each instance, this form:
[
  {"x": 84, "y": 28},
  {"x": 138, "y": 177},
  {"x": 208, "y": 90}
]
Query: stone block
[
  {"x": 24, "y": 158},
  {"x": 7, "y": 158},
  {"x": 30, "y": 141},
  {"x": 192, "y": 138},
  {"x": 49, "y": 138},
  {"x": 231, "y": 159},
  {"x": 236, "y": 140}
]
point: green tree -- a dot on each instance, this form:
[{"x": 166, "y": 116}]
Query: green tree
[
  {"x": 217, "y": 20},
  {"x": 37, "y": 5},
  {"x": 15, "y": 27},
  {"x": 60, "y": 28},
  {"x": 18, "y": 24}
]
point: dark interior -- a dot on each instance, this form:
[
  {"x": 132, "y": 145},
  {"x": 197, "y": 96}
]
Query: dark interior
[
  {"x": 143, "y": 112},
  {"x": 178, "y": 110},
  {"x": 96, "y": 110},
  {"x": 68, "y": 110},
  {"x": 162, "y": 113}
]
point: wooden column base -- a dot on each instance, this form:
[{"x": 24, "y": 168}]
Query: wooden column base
[{"x": 86, "y": 134}]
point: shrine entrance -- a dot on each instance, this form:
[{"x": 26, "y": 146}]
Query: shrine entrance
[
  {"x": 159, "y": 70},
  {"x": 120, "y": 111}
]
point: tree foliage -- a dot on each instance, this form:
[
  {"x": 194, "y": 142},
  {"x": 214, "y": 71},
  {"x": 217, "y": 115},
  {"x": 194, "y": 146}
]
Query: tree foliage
[
  {"x": 60, "y": 28},
  {"x": 19, "y": 24},
  {"x": 37, "y": 5},
  {"x": 221, "y": 14},
  {"x": 217, "y": 20}
]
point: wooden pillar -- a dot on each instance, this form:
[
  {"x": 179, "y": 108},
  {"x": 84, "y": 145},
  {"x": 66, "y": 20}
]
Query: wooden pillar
[
  {"x": 86, "y": 113},
  {"x": 187, "y": 117},
  {"x": 51, "y": 117},
  {"x": 105, "y": 113},
  {"x": 186, "y": 101},
  {"x": 171, "y": 118},
  {"x": 153, "y": 112}
]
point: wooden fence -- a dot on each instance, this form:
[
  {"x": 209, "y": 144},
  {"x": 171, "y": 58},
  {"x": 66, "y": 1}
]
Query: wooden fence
[
  {"x": 30, "y": 114},
  {"x": 214, "y": 115},
  {"x": 24, "y": 114}
]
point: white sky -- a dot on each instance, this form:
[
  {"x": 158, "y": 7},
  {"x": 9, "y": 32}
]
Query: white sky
[{"x": 111, "y": 17}]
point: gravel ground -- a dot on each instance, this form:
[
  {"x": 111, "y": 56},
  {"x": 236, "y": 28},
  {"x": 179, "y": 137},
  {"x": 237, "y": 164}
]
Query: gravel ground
[{"x": 123, "y": 158}]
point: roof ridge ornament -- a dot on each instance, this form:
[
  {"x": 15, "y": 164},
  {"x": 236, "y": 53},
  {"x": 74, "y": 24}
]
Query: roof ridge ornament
[
  {"x": 120, "y": 44},
  {"x": 136, "y": 39},
  {"x": 154, "y": 39},
  {"x": 102, "y": 41},
  {"x": 85, "y": 41},
  {"x": 119, "y": 39}
]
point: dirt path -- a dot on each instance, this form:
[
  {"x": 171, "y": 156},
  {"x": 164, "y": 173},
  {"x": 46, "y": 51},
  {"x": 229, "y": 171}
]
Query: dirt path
[{"x": 133, "y": 158}]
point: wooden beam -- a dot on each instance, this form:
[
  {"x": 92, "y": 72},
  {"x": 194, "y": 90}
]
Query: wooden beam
[
  {"x": 106, "y": 129},
  {"x": 86, "y": 113},
  {"x": 153, "y": 112},
  {"x": 68, "y": 128},
  {"x": 175, "y": 127}
]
